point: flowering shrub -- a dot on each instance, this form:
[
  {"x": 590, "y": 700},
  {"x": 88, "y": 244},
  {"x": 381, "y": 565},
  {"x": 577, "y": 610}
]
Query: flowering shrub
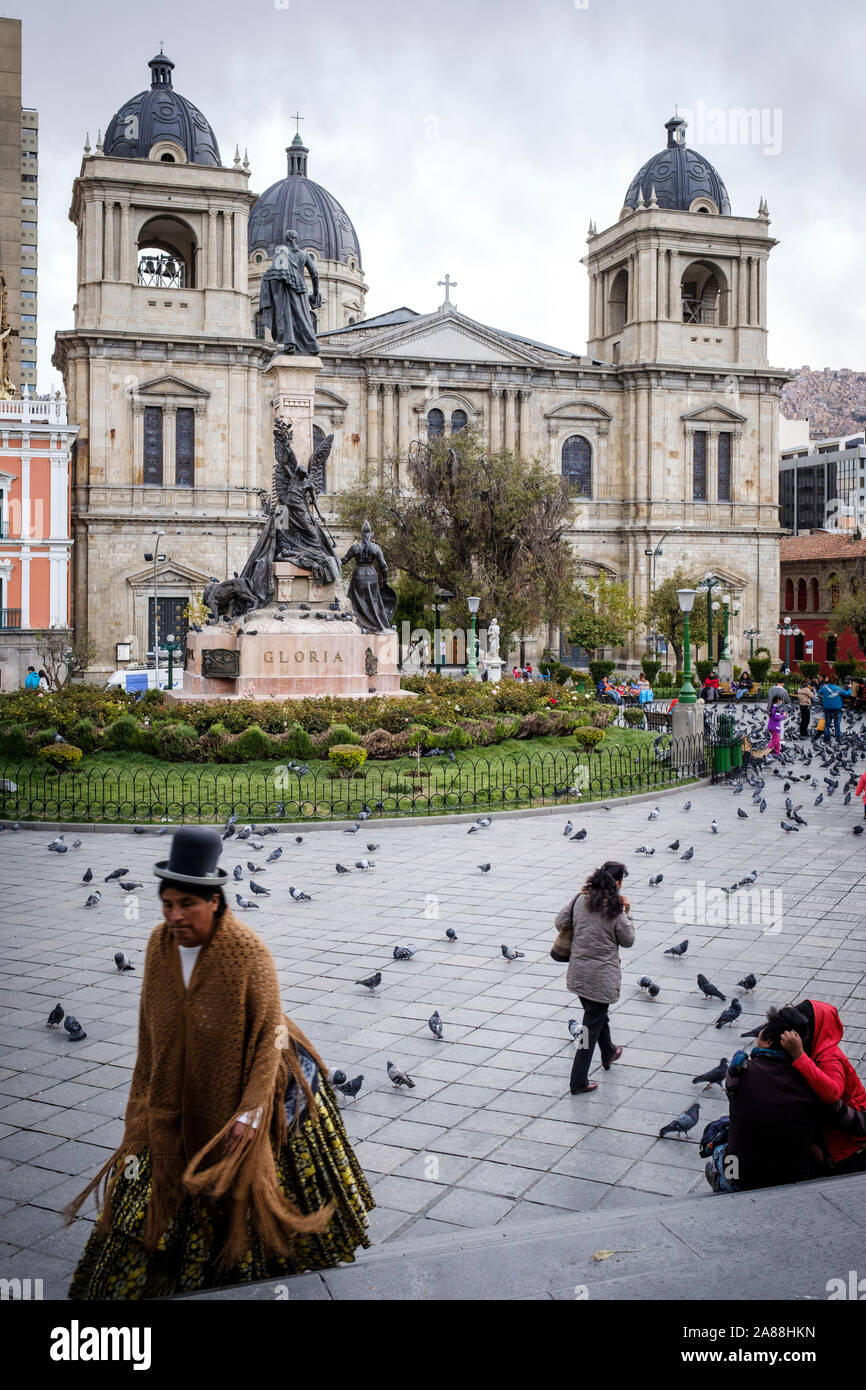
[{"x": 60, "y": 755}]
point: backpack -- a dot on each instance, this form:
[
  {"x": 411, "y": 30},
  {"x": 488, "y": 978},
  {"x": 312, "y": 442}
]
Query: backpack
[{"x": 717, "y": 1132}]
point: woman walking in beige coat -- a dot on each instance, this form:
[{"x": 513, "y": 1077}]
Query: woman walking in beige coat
[{"x": 600, "y": 923}]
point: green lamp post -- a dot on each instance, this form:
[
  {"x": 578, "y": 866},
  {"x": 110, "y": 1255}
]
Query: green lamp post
[
  {"x": 709, "y": 582},
  {"x": 686, "y": 693},
  {"x": 171, "y": 647},
  {"x": 751, "y": 633},
  {"x": 472, "y": 662}
]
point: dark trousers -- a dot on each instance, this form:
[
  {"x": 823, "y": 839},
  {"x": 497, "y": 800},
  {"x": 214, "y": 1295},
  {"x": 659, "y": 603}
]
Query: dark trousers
[
  {"x": 836, "y": 716},
  {"x": 595, "y": 1021},
  {"x": 805, "y": 716}
]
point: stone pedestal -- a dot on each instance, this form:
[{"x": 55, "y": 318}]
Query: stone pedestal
[
  {"x": 725, "y": 669},
  {"x": 292, "y": 382},
  {"x": 687, "y": 721},
  {"x": 493, "y": 666}
]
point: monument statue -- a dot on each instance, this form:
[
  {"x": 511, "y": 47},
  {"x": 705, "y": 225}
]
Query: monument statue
[
  {"x": 493, "y": 638},
  {"x": 370, "y": 595},
  {"x": 285, "y": 303},
  {"x": 295, "y": 529}
]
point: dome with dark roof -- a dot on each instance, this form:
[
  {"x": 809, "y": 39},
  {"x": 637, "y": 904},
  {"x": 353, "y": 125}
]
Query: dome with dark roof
[
  {"x": 161, "y": 114},
  {"x": 296, "y": 202},
  {"x": 679, "y": 178}
]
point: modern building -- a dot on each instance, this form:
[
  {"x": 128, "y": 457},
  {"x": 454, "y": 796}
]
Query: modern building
[
  {"x": 35, "y": 544},
  {"x": 814, "y": 571},
  {"x": 668, "y": 423},
  {"x": 19, "y": 194},
  {"x": 822, "y": 485}
]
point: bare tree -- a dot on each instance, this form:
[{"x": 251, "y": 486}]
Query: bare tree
[{"x": 63, "y": 655}]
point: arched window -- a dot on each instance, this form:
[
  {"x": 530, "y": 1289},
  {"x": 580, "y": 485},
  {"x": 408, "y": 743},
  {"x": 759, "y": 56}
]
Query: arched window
[
  {"x": 814, "y": 595},
  {"x": 789, "y": 595},
  {"x": 459, "y": 421},
  {"x": 166, "y": 254},
  {"x": 801, "y": 595},
  {"x": 704, "y": 294},
  {"x": 577, "y": 465},
  {"x": 618, "y": 302},
  {"x": 318, "y": 473},
  {"x": 833, "y": 581},
  {"x": 435, "y": 423}
]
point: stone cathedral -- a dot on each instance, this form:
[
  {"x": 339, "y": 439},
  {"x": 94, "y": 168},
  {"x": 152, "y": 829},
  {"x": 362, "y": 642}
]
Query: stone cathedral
[{"x": 668, "y": 423}]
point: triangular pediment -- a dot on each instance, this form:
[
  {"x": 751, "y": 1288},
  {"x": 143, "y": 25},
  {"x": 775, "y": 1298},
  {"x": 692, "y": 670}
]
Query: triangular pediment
[
  {"x": 585, "y": 411},
  {"x": 171, "y": 386},
  {"x": 445, "y": 336},
  {"x": 329, "y": 400},
  {"x": 169, "y": 573},
  {"x": 715, "y": 415}
]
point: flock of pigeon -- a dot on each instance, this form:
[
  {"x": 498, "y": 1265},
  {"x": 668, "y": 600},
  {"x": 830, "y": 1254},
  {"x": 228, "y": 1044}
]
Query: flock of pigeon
[{"x": 793, "y": 765}]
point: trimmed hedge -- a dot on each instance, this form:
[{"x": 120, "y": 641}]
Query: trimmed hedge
[
  {"x": 347, "y": 757},
  {"x": 634, "y": 718},
  {"x": 588, "y": 738},
  {"x": 61, "y": 754}
]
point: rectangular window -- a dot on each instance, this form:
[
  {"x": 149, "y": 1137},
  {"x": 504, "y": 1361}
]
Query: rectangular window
[
  {"x": 28, "y": 342},
  {"x": 28, "y": 318},
  {"x": 28, "y": 294},
  {"x": 184, "y": 448},
  {"x": 28, "y": 226},
  {"x": 153, "y": 446},
  {"x": 724, "y": 467},
  {"x": 832, "y": 642},
  {"x": 28, "y": 250},
  {"x": 699, "y": 465}
]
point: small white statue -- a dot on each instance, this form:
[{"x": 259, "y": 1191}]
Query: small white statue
[{"x": 493, "y": 638}]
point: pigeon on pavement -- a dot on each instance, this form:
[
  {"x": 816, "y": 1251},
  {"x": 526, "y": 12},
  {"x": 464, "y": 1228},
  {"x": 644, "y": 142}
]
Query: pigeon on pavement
[
  {"x": 709, "y": 990},
  {"x": 434, "y": 1023},
  {"x": 94, "y": 899},
  {"x": 747, "y": 983},
  {"x": 341, "y": 869},
  {"x": 678, "y": 950},
  {"x": 730, "y": 1014},
  {"x": 55, "y": 1018},
  {"x": 245, "y": 902},
  {"x": 510, "y": 953},
  {"x": 689, "y": 853},
  {"x": 87, "y": 876},
  {"x": 714, "y": 1077},
  {"x": 652, "y": 989},
  {"x": 298, "y": 896},
  {"x": 485, "y": 868},
  {"x": 451, "y": 933},
  {"x": 273, "y": 856},
  {"x": 74, "y": 1029},
  {"x": 405, "y": 952},
  {"x": 259, "y": 890},
  {"x": 372, "y": 981},
  {"x": 349, "y": 1088},
  {"x": 683, "y": 1123},
  {"x": 116, "y": 873},
  {"x": 399, "y": 1078},
  {"x": 122, "y": 961}
]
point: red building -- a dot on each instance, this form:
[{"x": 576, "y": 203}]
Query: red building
[{"x": 814, "y": 572}]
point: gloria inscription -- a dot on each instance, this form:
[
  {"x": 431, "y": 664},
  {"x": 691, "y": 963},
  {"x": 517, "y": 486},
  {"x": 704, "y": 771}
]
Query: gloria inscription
[{"x": 286, "y": 658}]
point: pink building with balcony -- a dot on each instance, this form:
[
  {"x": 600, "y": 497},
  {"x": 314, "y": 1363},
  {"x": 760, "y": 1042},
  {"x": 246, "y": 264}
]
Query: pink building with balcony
[{"x": 35, "y": 448}]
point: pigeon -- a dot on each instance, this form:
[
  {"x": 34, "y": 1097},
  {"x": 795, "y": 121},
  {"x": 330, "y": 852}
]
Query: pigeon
[
  {"x": 485, "y": 868},
  {"x": 675, "y": 845},
  {"x": 129, "y": 886},
  {"x": 349, "y": 1088},
  {"x": 122, "y": 961},
  {"x": 784, "y": 826},
  {"x": 256, "y": 868},
  {"x": 87, "y": 876},
  {"x": 581, "y": 835},
  {"x": 574, "y": 1027},
  {"x": 76, "y": 844},
  {"x": 244, "y": 902},
  {"x": 795, "y": 815},
  {"x": 399, "y": 1078},
  {"x": 683, "y": 1123},
  {"x": 858, "y": 830},
  {"x": 139, "y": 830},
  {"x": 743, "y": 815},
  {"x": 341, "y": 869},
  {"x": 689, "y": 853},
  {"x": 687, "y": 805},
  {"x": 116, "y": 873},
  {"x": 299, "y": 839},
  {"x": 678, "y": 950},
  {"x": 762, "y": 806},
  {"x": 747, "y": 983},
  {"x": 256, "y": 845},
  {"x": 273, "y": 856},
  {"x": 473, "y": 830},
  {"x": 654, "y": 813},
  {"x": 405, "y": 952},
  {"x": 714, "y": 826},
  {"x": 58, "y": 845},
  {"x": 94, "y": 899},
  {"x": 298, "y": 896},
  {"x": 372, "y": 981},
  {"x": 238, "y": 872},
  {"x": 352, "y": 829},
  {"x": 709, "y": 990},
  {"x": 483, "y": 822},
  {"x": 714, "y": 1077},
  {"x": 245, "y": 833},
  {"x": 434, "y": 1023},
  {"x": 644, "y": 849},
  {"x": 652, "y": 989},
  {"x": 74, "y": 1029},
  {"x": 232, "y": 820},
  {"x": 728, "y": 1015},
  {"x": 229, "y": 831},
  {"x": 750, "y": 878},
  {"x": 259, "y": 890},
  {"x": 451, "y": 933},
  {"x": 371, "y": 848},
  {"x": 56, "y": 1016},
  {"x": 656, "y": 880},
  {"x": 569, "y": 828},
  {"x": 510, "y": 953},
  {"x": 818, "y": 799},
  {"x": 337, "y": 1077}
]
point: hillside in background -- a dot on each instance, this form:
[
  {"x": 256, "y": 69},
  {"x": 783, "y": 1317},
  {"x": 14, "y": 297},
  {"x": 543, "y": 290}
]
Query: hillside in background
[{"x": 833, "y": 401}]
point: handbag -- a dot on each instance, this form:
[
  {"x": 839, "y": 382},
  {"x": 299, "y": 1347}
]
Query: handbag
[
  {"x": 560, "y": 951},
  {"x": 295, "y": 1099},
  {"x": 821, "y": 725}
]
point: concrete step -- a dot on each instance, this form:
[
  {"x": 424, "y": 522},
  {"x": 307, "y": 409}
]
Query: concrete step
[{"x": 743, "y": 1246}]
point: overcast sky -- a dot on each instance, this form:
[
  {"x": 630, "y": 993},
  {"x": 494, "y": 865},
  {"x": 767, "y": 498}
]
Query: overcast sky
[{"x": 479, "y": 137}]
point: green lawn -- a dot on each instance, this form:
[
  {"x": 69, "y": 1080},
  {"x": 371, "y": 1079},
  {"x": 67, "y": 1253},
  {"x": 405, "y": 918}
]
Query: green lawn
[{"x": 532, "y": 772}]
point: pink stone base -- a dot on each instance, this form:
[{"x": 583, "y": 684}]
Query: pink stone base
[
  {"x": 289, "y": 687},
  {"x": 323, "y": 659}
]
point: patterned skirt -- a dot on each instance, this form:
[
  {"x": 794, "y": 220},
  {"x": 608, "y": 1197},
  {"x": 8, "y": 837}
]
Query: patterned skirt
[{"x": 316, "y": 1165}]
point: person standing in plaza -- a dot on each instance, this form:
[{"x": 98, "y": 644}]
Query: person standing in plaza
[
  {"x": 234, "y": 1163},
  {"x": 805, "y": 696},
  {"x": 774, "y": 726},
  {"x": 831, "y": 697},
  {"x": 600, "y": 923},
  {"x": 31, "y": 680}
]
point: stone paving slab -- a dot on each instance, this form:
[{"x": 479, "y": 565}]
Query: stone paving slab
[{"x": 491, "y": 1100}]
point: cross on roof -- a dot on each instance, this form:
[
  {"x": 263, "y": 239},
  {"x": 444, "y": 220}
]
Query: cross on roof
[
  {"x": 297, "y": 118},
  {"x": 449, "y": 286}
]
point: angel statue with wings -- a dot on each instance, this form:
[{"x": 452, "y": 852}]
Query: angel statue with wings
[{"x": 295, "y": 529}]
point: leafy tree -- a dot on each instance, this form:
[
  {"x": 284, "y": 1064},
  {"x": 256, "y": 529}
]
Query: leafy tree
[
  {"x": 667, "y": 619},
  {"x": 850, "y": 612},
  {"x": 63, "y": 655},
  {"x": 472, "y": 522},
  {"x": 603, "y": 615}
]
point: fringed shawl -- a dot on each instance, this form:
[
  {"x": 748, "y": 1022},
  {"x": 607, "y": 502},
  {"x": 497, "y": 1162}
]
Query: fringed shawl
[{"x": 206, "y": 1055}]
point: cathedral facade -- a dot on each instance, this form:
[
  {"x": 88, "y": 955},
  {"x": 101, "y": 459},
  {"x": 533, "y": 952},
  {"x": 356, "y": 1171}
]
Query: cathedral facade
[{"x": 666, "y": 428}]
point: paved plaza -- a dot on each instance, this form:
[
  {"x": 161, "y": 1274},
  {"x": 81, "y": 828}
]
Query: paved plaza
[{"x": 489, "y": 1137}]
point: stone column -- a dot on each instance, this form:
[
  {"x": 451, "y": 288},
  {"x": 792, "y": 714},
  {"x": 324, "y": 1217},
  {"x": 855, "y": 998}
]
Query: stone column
[
  {"x": 57, "y": 587},
  {"x": 59, "y": 497},
  {"x": 510, "y": 397},
  {"x": 108, "y": 247},
  {"x": 93, "y": 232},
  {"x": 495, "y": 419},
  {"x": 372, "y": 425},
  {"x": 125, "y": 246},
  {"x": 387, "y": 422},
  {"x": 137, "y": 442},
  {"x": 292, "y": 380},
  {"x": 240, "y": 278},
  {"x": 525, "y": 423},
  {"x": 227, "y": 251},
  {"x": 753, "y": 290},
  {"x": 169, "y": 443},
  {"x": 210, "y": 275},
  {"x": 25, "y": 585},
  {"x": 403, "y": 429}
]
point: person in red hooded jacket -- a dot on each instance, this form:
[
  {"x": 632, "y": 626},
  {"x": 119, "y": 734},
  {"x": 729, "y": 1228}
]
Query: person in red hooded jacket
[{"x": 829, "y": 1073}]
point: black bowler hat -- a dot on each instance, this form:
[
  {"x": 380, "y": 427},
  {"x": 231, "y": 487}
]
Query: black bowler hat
[{"x": 193, "y": 859}]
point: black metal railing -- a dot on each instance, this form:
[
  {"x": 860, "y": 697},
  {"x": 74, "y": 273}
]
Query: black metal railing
[
  {"x": 10, "y": 617},
  {"x": 141, "y": 793}
]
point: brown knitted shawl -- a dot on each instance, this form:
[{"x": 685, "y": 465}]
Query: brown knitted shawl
[{"x": 207, "y": 1054}]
